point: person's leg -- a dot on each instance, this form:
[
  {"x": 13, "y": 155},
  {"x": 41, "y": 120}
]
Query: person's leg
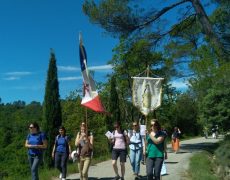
[
  {"x": 157, "y": 167},
  {"x": 172, "y": 142},
  {"x": 80, "y": 167},
  {"x": 137, "y": 161},
  {"x": 122, "y": 169},
  {"x": 31, "y": 160},
  {"x": 57, "y": 161},
  {"x": 34, "y": 168},
  {"x": 86, "y": 168},
  {"x": 123, "y": 154},
  {"x": 114, "y": 164},
  {"x": 176, "y": 145},
  {"x": 115, "y": 154},
  {"x": 64, "y": 158},
  {"x": 132, "y": 159},
  {"x": 149, "y": 168}
]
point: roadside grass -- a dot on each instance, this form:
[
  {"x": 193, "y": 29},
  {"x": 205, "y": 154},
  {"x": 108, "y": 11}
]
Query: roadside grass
[{"x": 201, "y": 167}]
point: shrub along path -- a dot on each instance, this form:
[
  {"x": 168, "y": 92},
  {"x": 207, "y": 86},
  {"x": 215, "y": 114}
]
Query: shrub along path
[{"x": 176, "y": 164}]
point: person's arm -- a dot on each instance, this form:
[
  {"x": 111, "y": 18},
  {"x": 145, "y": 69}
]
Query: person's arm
[
  {"x": 77, "y": 140},
  {"x": 155, "y": 140},
  {"x": 70, "y": 151},
  {"x": 43, "y": 145},
  {"x": 127, "y": 140},
  {"x": 37, "y": 146},
  {"x": 165, "y": 149},
  {"x": 54, "y": 148},
  {"x": 27, "y": 145}
]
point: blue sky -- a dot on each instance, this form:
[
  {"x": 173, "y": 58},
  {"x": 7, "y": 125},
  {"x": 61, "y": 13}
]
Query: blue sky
[{"x": 29, "y": 29}]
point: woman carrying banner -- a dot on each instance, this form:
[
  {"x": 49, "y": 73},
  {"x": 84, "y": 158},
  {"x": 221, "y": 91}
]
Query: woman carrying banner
[
  {"x": 84, "y": 141},
  {"x": 155, "y": 150}
]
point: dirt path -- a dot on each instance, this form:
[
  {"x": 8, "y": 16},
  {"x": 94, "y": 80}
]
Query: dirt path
[{"x": 176, "y": 164}]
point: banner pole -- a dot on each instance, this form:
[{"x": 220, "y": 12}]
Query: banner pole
[{"x": 86, "y": 120}]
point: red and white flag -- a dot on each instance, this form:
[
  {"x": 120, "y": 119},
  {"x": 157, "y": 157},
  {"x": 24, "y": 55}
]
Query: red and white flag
[{"x": 91, "y": 98}]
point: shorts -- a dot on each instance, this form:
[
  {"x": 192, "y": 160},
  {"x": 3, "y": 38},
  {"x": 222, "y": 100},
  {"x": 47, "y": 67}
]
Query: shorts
[{"x": 122, "y": 153}]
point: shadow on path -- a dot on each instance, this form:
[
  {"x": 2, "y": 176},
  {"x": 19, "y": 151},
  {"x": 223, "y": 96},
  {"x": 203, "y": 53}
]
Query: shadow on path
[{"x": 208, "y": 146}]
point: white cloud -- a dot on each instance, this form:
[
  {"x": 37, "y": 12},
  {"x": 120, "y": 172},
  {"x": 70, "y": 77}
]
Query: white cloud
[
  {"x": 101, "y": 68},
  {"x": 68, "y": 68},
  {"x": 18, "y": 73},
  {"x": 11, "y": 78},
  {"x": 71, "y": 78},
  {"x": 28, "y": 87},
  {"x": 93, "y": 68}
]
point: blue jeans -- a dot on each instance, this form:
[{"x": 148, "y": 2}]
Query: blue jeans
[
  {"x": 34, "y": 162},
  {"x": 135, "y": 158},
  {"x": 61, "y": 162}
]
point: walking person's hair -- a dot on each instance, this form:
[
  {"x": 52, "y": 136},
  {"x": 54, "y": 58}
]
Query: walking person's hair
[
  {"x": 63, "y": 128},
  {"x": 36, "y": 126},
  {"x": 156, "y": 124}
]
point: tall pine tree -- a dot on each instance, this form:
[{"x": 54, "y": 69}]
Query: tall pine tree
[{"x": 52, "y": 108}]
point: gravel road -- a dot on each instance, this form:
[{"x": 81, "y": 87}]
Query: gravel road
[{"x": 176, "y": 164}]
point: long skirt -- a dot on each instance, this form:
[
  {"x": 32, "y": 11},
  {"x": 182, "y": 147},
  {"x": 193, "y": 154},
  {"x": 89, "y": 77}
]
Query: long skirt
[{"x": 175, "y": 144}]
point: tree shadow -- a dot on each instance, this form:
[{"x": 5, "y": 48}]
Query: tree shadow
[
  {"x": 208, "y": 146},
  {"x": 170, "y": 162}
]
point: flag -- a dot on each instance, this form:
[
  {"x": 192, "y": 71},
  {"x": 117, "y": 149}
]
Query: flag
[
  {"x": 147, "y": 93},
  {"x": 90, "y": 98}
]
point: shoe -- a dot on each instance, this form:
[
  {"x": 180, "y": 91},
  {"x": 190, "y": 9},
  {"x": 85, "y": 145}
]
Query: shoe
[
  {"x": 116, "y": 177},
  {"x": 122, "y": 178},
  {"x": 60, "y": 176},
  {"x": 63, "y": 178}
]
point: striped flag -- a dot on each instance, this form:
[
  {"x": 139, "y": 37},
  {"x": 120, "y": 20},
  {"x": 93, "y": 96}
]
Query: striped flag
[{"x": 91, "y": 98}]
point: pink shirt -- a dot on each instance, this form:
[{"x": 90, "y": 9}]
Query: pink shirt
[{"x": 119, "y": 140}]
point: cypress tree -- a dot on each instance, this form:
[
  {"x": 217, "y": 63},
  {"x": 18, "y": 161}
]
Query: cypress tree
[
  {"x": 52, "y": 108},
  {"x": 113, "y": 104}
]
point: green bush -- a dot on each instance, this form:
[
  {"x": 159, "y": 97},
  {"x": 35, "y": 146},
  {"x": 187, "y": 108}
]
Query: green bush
[{"x": 223, "y": 157}]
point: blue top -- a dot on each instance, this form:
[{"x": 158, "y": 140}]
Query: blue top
[
  {"x": 62, "y": 144},
  {"x": 35, "y": 139}
]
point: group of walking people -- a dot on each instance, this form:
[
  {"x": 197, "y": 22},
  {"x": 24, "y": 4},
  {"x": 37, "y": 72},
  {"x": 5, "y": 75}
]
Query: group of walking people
[
  {"x": 36, "y": 142},
  {"x": 151, "y": 148}
]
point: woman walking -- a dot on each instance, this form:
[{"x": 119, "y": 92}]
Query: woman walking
[
  {"x": 120, "y": 141},
  {"x": 61, "y": 152},
  {"x": 154, "y": 151},
  {"x": 136, "y": 149},
  {"x": 36, "y": 142},
  {"x": 84, "y": 142},
  {"x": 175, "y": 139}
]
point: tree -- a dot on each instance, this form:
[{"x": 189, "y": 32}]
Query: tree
[
  {"x": 114, "y": 107},
  {"x": 125, "y": 18},
  {"x": 52, "y": 108}
]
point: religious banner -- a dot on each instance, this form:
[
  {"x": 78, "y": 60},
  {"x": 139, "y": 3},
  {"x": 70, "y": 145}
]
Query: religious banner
[{"x": 147, "y": 93}]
